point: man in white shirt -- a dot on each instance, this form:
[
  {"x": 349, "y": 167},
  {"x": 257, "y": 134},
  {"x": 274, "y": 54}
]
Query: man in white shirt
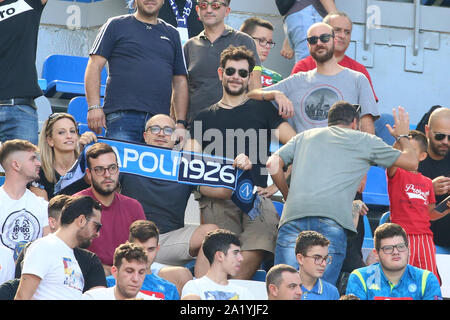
[
  {"x": 23, "y": 215},
  {"x": 129, "y": 270},
  {"x": 222, "y": 249},
  {"x": 50, "y": 270}
]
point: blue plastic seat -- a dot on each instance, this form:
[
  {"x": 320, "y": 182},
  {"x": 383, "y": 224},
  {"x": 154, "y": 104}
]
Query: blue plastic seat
[
  {"x": 442, "y": 250},
  {"x": 78, "y": 109},
  {"x": 368, "y": 237},
  {"x": 385, "y": 218},
  {"x": 65, "y": 76},
  {"x": 260, "y": 275},
  {"x": 278, "y": 206},
  {"x": 2, "y": 180},
  {"x": 376, "y": 191}
]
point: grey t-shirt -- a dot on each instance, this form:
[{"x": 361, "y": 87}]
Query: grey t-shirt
[
  {"x": 313, "y": 94},
  {"x": 328, "y": 165}
]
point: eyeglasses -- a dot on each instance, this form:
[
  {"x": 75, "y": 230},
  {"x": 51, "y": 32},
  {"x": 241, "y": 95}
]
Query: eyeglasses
[
  {"x": 215, "y": 5},
  {"x": 231, "y": 71},
  {"x": 401, "y": 247},
  {"x": 263, "y": 42},
  {"x": 98, "y": 225},
  {"x": 324, "y": 38},
  {"x": 441, "y": 136},
  {"x": 168, "y": 131},
  {"x": 112, "y": 169},
  {"x": 318, "y": 260}
]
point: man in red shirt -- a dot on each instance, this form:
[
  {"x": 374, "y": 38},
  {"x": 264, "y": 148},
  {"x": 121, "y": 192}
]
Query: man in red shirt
[
  {"x": 342, "y": 26},
  {"x": 118, "y": 211}
]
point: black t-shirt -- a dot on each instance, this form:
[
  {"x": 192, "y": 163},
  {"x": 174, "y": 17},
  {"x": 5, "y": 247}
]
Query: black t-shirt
[
  {"x": 19, "y": 26},
  {"x": 49, "y": 187},
  {"x": 164, "y": 202},
  {"x": 244, "y": 129},
  {"x": 195, "y": 26},
  {"x": 432, "y": 169},
  {"x": 90, "y": 265}
]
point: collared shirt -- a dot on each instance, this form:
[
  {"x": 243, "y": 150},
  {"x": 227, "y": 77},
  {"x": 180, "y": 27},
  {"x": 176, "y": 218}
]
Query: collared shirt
[
  {"x": 322, "y": 290},
  {"x": 202, "y": 61},
  {"x": 370, "y": 283}
]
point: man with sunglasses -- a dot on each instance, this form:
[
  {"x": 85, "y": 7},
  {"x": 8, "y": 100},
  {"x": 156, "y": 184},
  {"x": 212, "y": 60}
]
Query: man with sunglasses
[
  {"x": 50, "y": 270},
  {"x": 311, "y": 251},
  {"x": 312, "y": 93},
  {"x": 119, "y": 211},
  {"x": 437, "y": 167},
  {"x": 202, "y": 55},
  {"x": 232, "y": 126},
  {"x": 19, "y": 25},
  {"x": 147, "y": 73},
  {"x": 342, "y": 26},
  {"x": 392, "y": 278},
  {"x": 262, "y": 32}
]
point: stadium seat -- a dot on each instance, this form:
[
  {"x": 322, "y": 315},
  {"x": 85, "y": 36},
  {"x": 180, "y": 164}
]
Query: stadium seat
[
  {"x": 65, "y": 76},
  {"x": 375, "y": 191},
  {"x": 442, "y": 250},
  {"x": 385, "y": 218},
  {"x": 260, "y": 275},
  {"x": 278, "y": 206},
  {"x": 78, "y": 109},
  {"x": 2, "y": 180},
  {"x": 368, "y": 237},
  {"x": 44, "y": 109},
  {"x": 42, "y": 84}
]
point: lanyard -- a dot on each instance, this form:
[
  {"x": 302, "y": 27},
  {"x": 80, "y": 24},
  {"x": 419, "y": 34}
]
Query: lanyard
[{"x": 182, "y": 21}]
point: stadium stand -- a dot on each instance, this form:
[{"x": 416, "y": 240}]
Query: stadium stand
[
  {"x": 65, "y": 76},
  {"x": 78, "y": 109}
]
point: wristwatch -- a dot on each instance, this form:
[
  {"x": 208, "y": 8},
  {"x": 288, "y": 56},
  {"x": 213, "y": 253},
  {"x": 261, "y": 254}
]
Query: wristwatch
[
  {"x": 94, "y": 107},
  {"x": 183, "y": 122}
]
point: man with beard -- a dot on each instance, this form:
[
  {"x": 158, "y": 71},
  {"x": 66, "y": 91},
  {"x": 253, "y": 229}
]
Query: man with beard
[
  {"x": 437, "y": 167},
  {"x": 202, "y": 54},
  {"x": 50, "y": 269},
  {"x": 342, "y": 25},
  {"x": 313, "y": 93},
  {"x": 239, "y": 125},
  {"x": 392, "y": 278},
  {"x": 119, "y": 211},
  {"x": 147, "y": 74}
]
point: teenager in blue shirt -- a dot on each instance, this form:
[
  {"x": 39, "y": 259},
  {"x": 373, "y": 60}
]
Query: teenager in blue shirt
[
  {"x": 146, "y": 234},
  {"x": 393, "y": 278},
  {"x": 311, "y": 250}
]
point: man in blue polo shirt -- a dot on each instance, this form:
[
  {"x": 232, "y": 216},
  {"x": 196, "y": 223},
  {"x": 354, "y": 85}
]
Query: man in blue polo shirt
[
  {"x": 147, "y": 73},
  {"x": 311, "y": 250},
  {"x": 393, "y": 278}
]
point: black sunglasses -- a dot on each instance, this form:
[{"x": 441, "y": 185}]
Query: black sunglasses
[
  {"x": 242, "y": 72},
  {"x": 324, "y": 38},
  {"x": 441, "y": 136},
  {"x": 98, "y": 225}
]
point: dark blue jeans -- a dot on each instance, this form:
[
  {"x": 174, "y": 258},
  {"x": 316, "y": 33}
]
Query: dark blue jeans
[
  {"x": 287, "y": 235},
  {"x": 127, "y": 125}
]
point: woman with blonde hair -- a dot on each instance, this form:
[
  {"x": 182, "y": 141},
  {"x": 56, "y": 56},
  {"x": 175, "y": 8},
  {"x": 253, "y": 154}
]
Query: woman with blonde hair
[{"x": 59, "y": 146}]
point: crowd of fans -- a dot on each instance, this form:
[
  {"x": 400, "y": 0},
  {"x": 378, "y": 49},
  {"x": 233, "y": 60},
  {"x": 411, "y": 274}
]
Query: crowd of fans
[{"x": 202, "y": 88}]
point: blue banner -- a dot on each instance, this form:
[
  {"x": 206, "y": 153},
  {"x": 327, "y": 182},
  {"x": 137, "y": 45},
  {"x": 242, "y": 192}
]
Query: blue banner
[{"x": 171, "y": 165}]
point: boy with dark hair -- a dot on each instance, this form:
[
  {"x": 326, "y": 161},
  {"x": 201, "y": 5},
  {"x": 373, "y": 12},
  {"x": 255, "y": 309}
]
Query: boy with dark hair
[
  {"x": 222, "y": 249},
  {"x": 311, "y": 251},
  {"x": 392, "y": 278},
  {"x": 412, "y": 203},
  {"x": 129, "y": 266},
  {"x": 146, "y": 234}
]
